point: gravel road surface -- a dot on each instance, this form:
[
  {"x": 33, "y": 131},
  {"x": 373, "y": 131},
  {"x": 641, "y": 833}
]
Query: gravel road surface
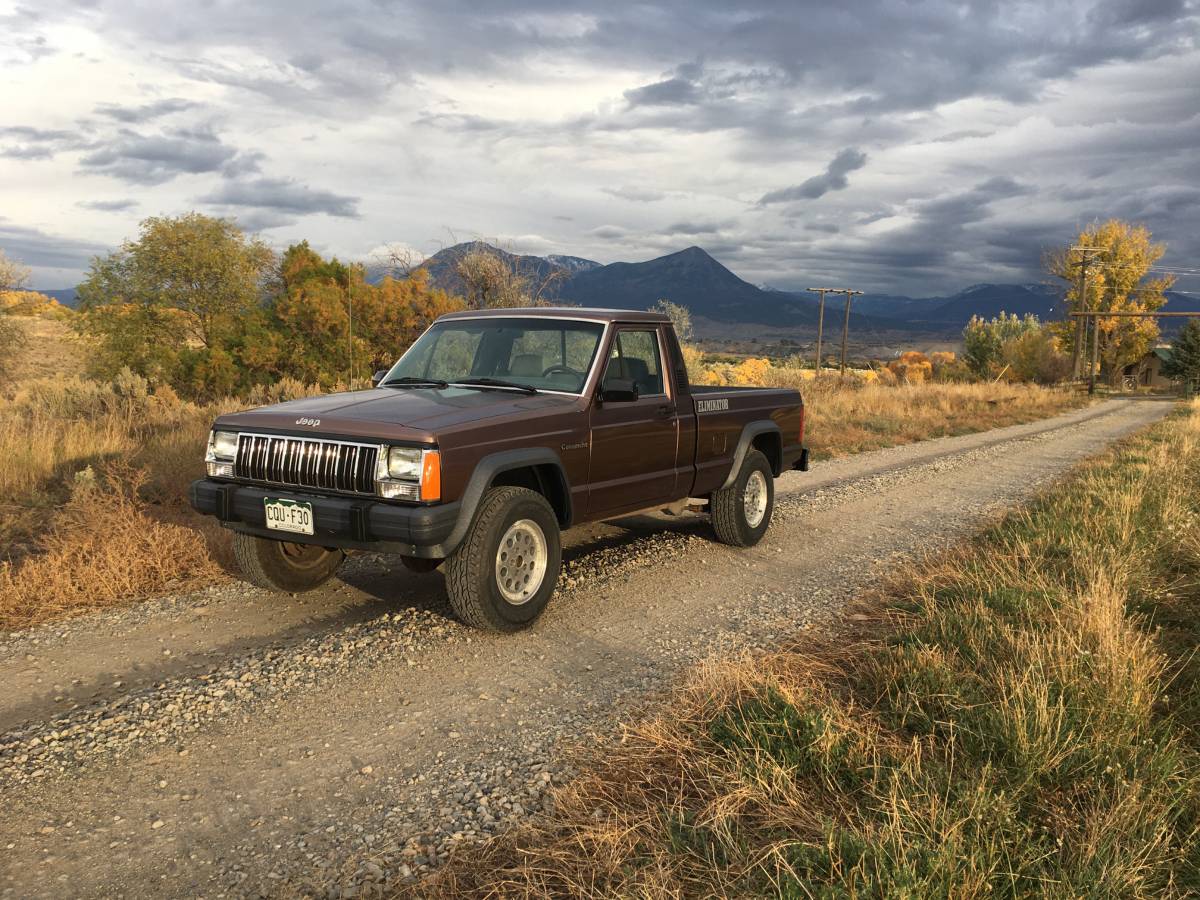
[{"x": 233, "y": 743}]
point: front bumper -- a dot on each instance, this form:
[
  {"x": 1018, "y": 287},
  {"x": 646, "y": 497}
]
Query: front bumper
[{"x": 347, "y": 522}]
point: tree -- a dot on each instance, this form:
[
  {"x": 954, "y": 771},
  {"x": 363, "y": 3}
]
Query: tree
[
  {"x": 494, "y": 279},
  {"x": 1184, "y": 362},
  {"x": 13, "y": 275},
  {"x": 307, "y": 335},
  {"x": 680, "y": 316},
  {"x": 173, "y": 303},
  {"x": 491, "y": 281},
  {"x": 1117, "y": 280},
  {"x": 1035, "y": 357},
  {"x": 984, "y": 340}
]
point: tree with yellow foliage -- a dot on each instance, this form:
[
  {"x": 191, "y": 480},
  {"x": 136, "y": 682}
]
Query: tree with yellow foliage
[
  {"x": 310, "y": 320},
  {"x": 1119, "y": 280}
]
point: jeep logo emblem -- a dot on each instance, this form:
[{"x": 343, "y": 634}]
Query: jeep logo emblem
[{"x": 306, "y": 421}]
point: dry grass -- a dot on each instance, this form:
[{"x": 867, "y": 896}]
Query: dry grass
[
  {"x": 852, "y": 416},
  {"x": 51, "y": 350},
  {"x": 867, "y": 409},
  {"x": 94, "y": 478},
  {"x": 105, "y": 545},
  {"x": 1020, "y": 717}
]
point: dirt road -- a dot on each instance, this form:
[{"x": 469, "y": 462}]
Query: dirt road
[{"x": 230, "y": 743}]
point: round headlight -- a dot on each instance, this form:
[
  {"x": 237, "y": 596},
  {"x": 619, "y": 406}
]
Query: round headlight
[
  {"x": 224, "y": 444},
  {"x": 404, "y": 463}
]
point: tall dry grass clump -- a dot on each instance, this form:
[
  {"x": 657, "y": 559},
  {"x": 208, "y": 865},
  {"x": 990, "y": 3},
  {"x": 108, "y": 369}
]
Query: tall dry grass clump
[
  {"x": 1019, "y": 717},
  {"x": 105, "y": 546},
  {"x": 93, "y": 481}
]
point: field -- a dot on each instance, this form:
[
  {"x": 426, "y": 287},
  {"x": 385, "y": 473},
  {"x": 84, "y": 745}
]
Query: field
[
  {"x": 94, "y": 475},
  {"x": 1019, "y": 716},
  {"x": 849, "y": 416}
]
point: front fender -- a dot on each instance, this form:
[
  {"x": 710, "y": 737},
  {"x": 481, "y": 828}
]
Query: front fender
[{"x": 481, "y": 479}]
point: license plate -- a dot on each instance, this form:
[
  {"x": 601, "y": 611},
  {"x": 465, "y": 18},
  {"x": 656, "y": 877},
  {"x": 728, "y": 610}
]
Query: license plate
[{"x": 289, "y": 515}]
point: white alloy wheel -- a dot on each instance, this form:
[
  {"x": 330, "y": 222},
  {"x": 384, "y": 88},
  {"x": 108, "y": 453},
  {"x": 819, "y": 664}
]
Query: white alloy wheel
[
  {"x": 754, "y": 498},
  {"x": 521, "y": 561}
]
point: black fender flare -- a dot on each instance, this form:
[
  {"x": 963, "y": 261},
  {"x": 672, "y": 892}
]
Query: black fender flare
[
  {"x": 485, "y": 473},
  {"x": 749, "y": 433}
]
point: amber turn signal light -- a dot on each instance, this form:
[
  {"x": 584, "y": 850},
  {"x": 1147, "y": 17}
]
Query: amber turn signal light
[{"x": 431, "y": 475}]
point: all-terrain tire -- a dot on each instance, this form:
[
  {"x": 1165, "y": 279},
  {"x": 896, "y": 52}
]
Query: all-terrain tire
[
  {"x": 741, "y": 513},
  {"x": 283, "y": 566},
  {"x": 505, "y": 588}
]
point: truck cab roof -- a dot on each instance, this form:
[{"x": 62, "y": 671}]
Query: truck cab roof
[{"x": 565, "y": 312}]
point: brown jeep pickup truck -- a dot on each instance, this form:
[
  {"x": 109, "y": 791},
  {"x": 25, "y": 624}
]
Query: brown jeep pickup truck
[{"x": 495, "y": 431}]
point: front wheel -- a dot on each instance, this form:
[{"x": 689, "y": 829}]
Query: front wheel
[
  {"x": 284, "y": 566},
  {"x": 741, "y": 513},
  {"x": 503, "y": 573}
]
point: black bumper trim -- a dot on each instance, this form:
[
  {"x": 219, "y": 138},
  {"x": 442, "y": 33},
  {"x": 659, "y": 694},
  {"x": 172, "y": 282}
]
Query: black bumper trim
[
  {"x": 795, "y": 457},
  {"x": 345, "y": 522}
]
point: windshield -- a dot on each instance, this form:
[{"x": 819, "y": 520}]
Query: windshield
[{"x": 548, "y": 354}]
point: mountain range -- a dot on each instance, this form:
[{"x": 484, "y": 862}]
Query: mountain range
[{"x": 694, "y": 279}]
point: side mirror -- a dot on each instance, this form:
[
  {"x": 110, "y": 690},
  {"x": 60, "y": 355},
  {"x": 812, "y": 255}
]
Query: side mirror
[
  {"x": 378, "y": 377},
  {"x": 619, "y": 390}
]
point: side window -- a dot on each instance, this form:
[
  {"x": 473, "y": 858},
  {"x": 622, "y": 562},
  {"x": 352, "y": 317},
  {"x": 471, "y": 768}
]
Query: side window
[{"x": 635, "y": 357}]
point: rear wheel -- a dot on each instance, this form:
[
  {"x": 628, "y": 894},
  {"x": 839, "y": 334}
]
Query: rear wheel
[
  {"x": 284, "y": 566},
  {"x": 502, "y": 575},
  {"x": 741, "y": 513}
]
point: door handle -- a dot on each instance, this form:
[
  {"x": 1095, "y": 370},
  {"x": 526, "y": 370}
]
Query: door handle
[{"x": 665, "y": 411}]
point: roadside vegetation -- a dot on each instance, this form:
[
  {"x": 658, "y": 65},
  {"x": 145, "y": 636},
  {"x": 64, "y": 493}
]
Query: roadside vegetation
[
  {"x": 1019, "y": 716},
  {"x": 104, "y": 410},
  {"x": 94, "y": 471}
]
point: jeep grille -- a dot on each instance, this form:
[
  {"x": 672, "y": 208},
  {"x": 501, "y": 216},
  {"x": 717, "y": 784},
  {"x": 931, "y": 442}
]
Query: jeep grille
[{"x": 329, "y": 465}]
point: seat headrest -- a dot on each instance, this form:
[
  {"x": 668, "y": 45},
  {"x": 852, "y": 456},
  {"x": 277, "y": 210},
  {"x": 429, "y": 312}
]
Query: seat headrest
[{"x": 527, "y": 364}]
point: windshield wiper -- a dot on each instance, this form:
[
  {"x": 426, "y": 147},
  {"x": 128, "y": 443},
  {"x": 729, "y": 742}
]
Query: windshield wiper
[
  {"x": 410, "y": 381},
  {"x": 496, "y": 383}
]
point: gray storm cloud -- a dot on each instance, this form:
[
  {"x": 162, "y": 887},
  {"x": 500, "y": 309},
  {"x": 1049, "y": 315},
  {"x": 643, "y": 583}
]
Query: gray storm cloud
[
  {"x": 907, "y": 147},
  {"x": 832, "y": 179}
]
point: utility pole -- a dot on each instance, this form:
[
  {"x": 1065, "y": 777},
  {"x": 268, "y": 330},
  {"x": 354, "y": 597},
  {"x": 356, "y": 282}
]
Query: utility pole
[
  {"x": 1080, "y": 324},
  {"x": 820, "y": 326},
  {"x": 1095, "y": 354},
  {"x": 350, "y": 324},
  {"x": 846, "y": 324}
]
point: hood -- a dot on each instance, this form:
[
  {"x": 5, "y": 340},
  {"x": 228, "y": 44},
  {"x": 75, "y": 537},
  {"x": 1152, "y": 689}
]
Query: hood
[{"x": 392, "y": 413}]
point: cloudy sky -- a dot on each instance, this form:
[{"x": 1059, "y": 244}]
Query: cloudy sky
[{"x": 909, "y": 147}]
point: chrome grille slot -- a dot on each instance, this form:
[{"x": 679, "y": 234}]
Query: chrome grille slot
[{"x": 304, "y": 462}]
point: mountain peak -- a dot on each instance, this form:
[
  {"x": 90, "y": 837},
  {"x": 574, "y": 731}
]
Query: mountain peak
[{"x": 692, "y": 252}]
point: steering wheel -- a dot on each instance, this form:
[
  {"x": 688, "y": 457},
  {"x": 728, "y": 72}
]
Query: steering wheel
[{"x": 558, "y": 367}]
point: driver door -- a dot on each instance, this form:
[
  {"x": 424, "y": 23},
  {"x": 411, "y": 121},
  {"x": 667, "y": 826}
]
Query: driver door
[{"x": 634, "y": 443}]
